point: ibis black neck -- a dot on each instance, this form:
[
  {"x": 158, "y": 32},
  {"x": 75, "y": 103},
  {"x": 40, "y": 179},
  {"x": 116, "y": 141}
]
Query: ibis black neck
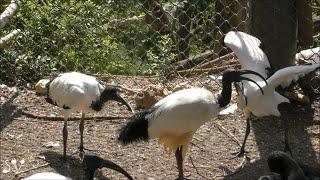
[
  {"x": 225, "y": 95},
  {"x": 106, "y": 95}
]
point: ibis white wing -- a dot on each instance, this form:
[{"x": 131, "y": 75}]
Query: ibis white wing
[
  {"x": 267, "y": 104},
  {"x": 285, "y": 76},
  {"x": 182, "y": 112},
  {"x": 74, "y": 90},
  {"x": 247, "y": 49}
]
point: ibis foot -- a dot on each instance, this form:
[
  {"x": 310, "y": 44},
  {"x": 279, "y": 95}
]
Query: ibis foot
[
  {"x": 242, "y": 164},
  {"x": 240, "y": 153}
]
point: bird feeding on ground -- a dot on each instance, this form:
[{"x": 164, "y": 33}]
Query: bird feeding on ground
[
  {"x": 74, "y": 92},
  {"x": 251, "y": 56},
  {"x": 91, "y": 163},
  {"x": 174, "y": 119},
  {"x": 283, "y": 166}
]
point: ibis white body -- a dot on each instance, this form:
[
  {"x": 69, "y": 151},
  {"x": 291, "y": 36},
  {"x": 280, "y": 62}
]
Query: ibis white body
[
  {"x": 178, "y": 116},
  {"x": 75, "y": 90},
  {"x": 251, "y": 56},
  {"x": 174, "y": 119},
  {"x": 47, "y": 176}
]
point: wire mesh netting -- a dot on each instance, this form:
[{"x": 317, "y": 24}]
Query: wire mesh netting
[
  {"x": 128, "y": 38},
  {"x": 160, "y": 46},
  {"x": 182, "y": 39}
]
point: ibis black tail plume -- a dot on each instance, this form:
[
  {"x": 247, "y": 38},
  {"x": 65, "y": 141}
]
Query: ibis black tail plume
[{"x": 136, "y": 129}]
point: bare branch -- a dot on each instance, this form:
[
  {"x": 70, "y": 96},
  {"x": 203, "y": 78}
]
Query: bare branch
[
  {"x": 33, "y": 168},
  {"x": 197, "y": 59},
  {"x": 56, "y": 118},
  {"x": 216, "y": 61},
  {"x": 5, "y": 41},
  {"x": 9, "y": 12},
  {"x": 212, "y": 70},
  {"x": 116, "y": 23}
]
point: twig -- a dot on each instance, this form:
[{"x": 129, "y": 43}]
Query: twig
[
  {"x": 197, "y": 139},
  {"x": 197, "y": 168},
  {"x": 33, "y": 168},
  {"x": 194, "y": 144},
  {"x": 229, "y": 134},
  {"x": 55, "y": 118}
]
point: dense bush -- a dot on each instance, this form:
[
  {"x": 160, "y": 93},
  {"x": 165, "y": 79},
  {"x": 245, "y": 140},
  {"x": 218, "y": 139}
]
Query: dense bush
[{"x": 63, "y": 36}]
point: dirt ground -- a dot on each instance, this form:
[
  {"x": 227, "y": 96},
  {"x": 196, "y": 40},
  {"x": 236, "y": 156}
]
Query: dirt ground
[{"x": 32, "y": 138}]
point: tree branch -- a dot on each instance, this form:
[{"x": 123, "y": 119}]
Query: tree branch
[
  {"x": 116, "y": 23},
  {"x": 57, "y": 118},
  {"x": 212, "y": 70},
  {"x": 9, "y": 12},
  {"x": 5, "y": 41}
]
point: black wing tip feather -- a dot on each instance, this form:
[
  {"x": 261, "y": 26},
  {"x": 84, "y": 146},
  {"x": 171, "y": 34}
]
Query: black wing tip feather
[{"x": 136, "y": 129}]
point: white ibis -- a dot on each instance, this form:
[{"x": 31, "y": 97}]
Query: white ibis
[
  {"x": 74, "y": 92},
  {"x": 283, "y": 166},
  {"x": 250, "y": 55},
  {"x": 174, "y": 119},
  {"x": 91, "y": 163}
]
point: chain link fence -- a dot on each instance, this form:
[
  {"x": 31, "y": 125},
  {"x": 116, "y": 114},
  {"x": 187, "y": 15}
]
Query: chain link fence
[
  {"x": 150, "y": 48},
  {"x": 144, "y": 37}
]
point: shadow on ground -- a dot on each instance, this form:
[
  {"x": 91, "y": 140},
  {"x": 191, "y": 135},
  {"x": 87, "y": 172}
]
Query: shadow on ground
[
  {"x": 8, "y": 111},
  {"x": 71, "y": 168},
  {"x": 269, "y": 136}
]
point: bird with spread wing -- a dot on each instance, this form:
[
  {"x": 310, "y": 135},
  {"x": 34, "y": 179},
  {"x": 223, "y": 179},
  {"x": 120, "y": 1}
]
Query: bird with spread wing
[{"x": 251, "y": 57}]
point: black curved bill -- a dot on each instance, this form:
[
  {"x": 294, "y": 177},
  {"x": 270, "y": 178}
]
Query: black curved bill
[
  {"x": 93, "y": 162},
  {"x": 119, "y": 99},
  {"x": 247, "y": 79},
  {"x": 253, "y": 72}
]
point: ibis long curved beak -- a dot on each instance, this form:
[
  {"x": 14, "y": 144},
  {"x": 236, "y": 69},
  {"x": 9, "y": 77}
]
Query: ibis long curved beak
[
  {"x": 119, "y": 99},
  {"x": 93, "y": 162},
  {"x": 247, "y": 79},
  {"x": 253, "y": 72},
  {"x": 242, "y": 72}
]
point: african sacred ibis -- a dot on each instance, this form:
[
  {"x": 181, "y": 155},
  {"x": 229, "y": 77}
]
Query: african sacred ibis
[
  {"x": 283, "y": 166},
  {"x": 75, "y": 91},
  {"x": 174, "y": 119},
  {"x": 91, "y": 163},
  {"x": 251, "y": 56}
]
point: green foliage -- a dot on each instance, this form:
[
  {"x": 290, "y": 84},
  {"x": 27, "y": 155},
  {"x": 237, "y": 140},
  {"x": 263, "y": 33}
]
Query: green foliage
[{"x": 61, "y": 36}]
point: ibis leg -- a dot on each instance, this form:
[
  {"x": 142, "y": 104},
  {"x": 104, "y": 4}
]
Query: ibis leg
[
  {"x": 242, "y": 151},
  {"x": 179, "y": 159},
  {"x": 81, "y": 128},
  {"x": 65, "y": 137}
]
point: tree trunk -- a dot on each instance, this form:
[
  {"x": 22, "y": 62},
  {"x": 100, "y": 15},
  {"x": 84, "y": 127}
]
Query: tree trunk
[{"x": 274, "y": 23}]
